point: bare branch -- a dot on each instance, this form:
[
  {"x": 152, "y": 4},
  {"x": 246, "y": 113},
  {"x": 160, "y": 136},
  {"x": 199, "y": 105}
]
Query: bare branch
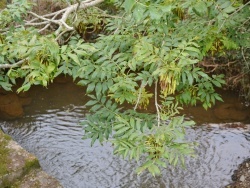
[
  {"x": 45, "y": 19},
  {"x": 7, "y": 66},
  {"x": 44, "y": 28},
  {"x": 139, "y": 97},
  {"x": 157, "y": 106},
  {"x": 73, "y": 8},
  {"x": 244, "y": 58},
  {"x": 239, "y": 9},
  {"x": 63, "y": 26},
  {"x": 37, "y": 23}
]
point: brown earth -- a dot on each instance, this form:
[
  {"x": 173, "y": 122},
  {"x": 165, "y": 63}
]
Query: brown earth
[{"x": 241, "y": 176}]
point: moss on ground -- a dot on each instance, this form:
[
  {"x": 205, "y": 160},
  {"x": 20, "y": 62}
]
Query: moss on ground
[
  {"x": 4, "y": 152},
  {"x": 5, "y": 160},
  {"x": 14, "y": 178},
  {"x": 29, "y": 165}
]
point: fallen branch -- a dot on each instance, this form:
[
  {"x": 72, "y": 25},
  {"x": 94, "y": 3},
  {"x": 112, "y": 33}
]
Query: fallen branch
[
  {"x": 48, "y": 19},
  {"x": 8, "y": 66}
]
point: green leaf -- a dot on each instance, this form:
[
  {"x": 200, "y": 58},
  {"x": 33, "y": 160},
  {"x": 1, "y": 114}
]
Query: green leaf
[
  {"x": 217, "y": 97},
  {"x": 154, "y": 13},
  {"x": 50, "y": 68},
  {"x": 216, "y": 83},
  {"x": 139, "y": 12},
  {"x": 96, "y": 107},
  {"x": 63, "y": 48},
  {"x": 91, "y": 87},
  {"x": 132, "y": 122},
  {"x": 204, "y": 75},
  {"x": 154, "y": 170},
  {"x": 83, "y": 82},
  {"x": 122, "y": 131},
  {"x": 128, "y": 5},
  {"x": 98, "y": 88},
  {"x": 118, "y": 126},
  {"x": 91, "y": 103},
  {"x": 166, "y": 9},
  {"x": 74, "y": 57},
  {"x": 6, "y": 86},
  {"x": 200, "y": 8},
  {"x": 95, "y": 136},
  {"x": 193, "y": 49},
  {"x": 25, "y": 87},
  {"x": 229, "y": 9},
  {"x": 190, "y": 79}
]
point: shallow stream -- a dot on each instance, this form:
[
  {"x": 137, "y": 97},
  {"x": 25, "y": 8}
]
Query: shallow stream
[{"x": 50, "y": 129}]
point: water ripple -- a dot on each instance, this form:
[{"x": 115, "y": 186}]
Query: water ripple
[{"x": 55, "y": 137}]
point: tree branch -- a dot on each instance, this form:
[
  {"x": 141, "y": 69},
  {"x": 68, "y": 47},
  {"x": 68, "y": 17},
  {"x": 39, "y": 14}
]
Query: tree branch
[
  {"x": 61, "y": 22},
  {"x": 239, "y": 9},
  {"x": 139, "y": 97},
  {"x": 7, "y": 66},
  {"x": 157, "y": 106}
]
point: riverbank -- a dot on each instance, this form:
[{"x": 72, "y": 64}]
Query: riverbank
[
  {"x": 241, "y": 176},
  {"x": 20, "y": 169}
]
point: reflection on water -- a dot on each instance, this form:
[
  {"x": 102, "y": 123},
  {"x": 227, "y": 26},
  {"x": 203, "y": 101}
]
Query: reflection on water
[{"x": 51, "y": 131}]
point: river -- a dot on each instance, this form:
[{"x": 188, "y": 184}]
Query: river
[{"x": 50, "y": 129}]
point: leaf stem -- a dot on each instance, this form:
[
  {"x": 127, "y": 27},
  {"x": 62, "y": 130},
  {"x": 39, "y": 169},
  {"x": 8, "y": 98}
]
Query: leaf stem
[
  {"x": 239, "y": 9},
  {"x": 139, "y": 96},
  {"x": 157, "y": 106}
]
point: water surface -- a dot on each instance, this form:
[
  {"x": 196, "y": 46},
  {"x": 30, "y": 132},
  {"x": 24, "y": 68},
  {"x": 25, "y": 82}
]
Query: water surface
[{"x": 50, "y": 129}]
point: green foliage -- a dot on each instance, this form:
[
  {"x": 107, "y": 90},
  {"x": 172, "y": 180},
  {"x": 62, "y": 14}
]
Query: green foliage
[
  {"x": 39, "y": 53},
  {"x": 147, "y": 55},
  {"x": 14, "y": 13}
]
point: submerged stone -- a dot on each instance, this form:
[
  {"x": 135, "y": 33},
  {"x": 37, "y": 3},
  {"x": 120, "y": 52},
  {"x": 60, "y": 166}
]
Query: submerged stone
[
  {"x": 10, "y": 106},
  {"x": 233, "y": 112}
]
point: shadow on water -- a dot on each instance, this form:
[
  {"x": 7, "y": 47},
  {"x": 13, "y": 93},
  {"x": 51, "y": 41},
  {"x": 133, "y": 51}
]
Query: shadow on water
[{"x": 50, "y": 129}]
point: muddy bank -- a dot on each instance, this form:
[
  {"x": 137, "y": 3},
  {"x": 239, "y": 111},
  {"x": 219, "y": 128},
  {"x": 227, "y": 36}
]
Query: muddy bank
[
  {"x": 241, "y": 176},
  {"x": 20, "y": 169}
]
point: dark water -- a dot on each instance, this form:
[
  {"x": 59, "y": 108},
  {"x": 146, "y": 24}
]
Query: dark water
[{"x": 50, "y": 129}]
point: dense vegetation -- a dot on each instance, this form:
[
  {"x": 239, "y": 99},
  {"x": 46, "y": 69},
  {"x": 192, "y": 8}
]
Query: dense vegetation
[{"x": 131, "y": 53}]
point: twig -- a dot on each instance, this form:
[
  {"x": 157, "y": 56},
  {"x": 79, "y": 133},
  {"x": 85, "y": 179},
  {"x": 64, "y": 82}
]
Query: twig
[
  {"x": 44, "y": 28},
  {"x": 157, "y": 106},
  {"x": 61, "y": 34},
  {"x": 239, "y": 9},
  {"x": 7, "y": 66},
  {"x": 62, "y": 21},
  {"x": 244, "y": 58},
  {"x": 73, "y": 8},
  {"x": 44, "y": 19},
  {"x": 139, "y": 96}
]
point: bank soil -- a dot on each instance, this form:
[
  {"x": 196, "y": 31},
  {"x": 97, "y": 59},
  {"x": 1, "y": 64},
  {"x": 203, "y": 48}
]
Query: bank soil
[{"x": 241, "y": 176}]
